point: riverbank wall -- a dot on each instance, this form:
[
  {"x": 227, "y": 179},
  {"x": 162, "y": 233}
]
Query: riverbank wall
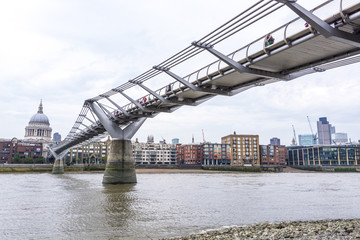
[
  {"x": 328, "y": 168},
  {"x": 48, "y": 167},
  {"x": 101, "y": 167}
]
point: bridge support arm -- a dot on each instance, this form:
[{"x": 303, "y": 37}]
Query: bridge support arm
[
  {"x": 322, "y": 27},
  {"x": 115, "y": 131},
  {"x": 235, "y": 65},
  {"x": 58, "y": 167},
  {"x": 111, "y": 127}
]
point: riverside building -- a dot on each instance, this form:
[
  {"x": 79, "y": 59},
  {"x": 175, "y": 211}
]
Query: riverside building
[
  {"x": 189, "y": 154},
  {"x": 245, "y": 150},
  {"x": 330, "y": 155},
  {"x": 216, "y": 154},
  {"x": 94, "y": 153},
  {"x": 151, "y": 153},
  {"x": 9, "y": 148},
  {"x": 206, "y": 154},
  {"x": 273, "y": 155}
]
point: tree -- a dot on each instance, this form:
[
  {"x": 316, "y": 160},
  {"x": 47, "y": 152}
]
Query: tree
[
  {"x": 40, "y": 160},
  {"x": 28, "y": 160},
  {"x": 16, "y": 158}
]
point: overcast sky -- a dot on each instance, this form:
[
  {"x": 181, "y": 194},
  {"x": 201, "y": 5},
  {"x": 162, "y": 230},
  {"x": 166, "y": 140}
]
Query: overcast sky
[{"x": 65, "y": 52}]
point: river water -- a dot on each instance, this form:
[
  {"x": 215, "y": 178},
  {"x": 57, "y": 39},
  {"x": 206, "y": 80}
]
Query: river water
[{"x": 79, "y": 206}]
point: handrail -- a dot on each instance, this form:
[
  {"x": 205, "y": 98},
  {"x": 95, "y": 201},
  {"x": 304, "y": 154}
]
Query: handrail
[{"x": 199, "y": 76}]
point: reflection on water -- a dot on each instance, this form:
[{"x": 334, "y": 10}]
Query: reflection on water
[{"x": 79, "y": 206}]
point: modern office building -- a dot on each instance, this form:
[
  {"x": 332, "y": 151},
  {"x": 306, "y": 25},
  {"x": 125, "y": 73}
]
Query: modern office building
[
  {"x": 9, "y": 148},
  {"x": 324, "y": 131},
  {"x": 273, "y": 155},
  {"x": 330, "y": 155},
  {"x": 216, "y": 154},
  {"x": 154, "y": 153},
  {"x": 307, "y": 140},
  {"x": 245, "y": 150},
  {"x": 275, "y": 141},
  {"x": 340, "y": 138},
  {"x": 175, "y": 141},
  {"x": 57, "y": 137},
  {"x": 93, "y": 153}
]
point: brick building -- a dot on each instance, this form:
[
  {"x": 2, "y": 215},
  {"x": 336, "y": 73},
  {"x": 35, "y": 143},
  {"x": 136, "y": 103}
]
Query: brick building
[
  {"x": 189, "y": 154},
  {"x": 273, "y": 155},
  {"x": 10, "y": 147}
]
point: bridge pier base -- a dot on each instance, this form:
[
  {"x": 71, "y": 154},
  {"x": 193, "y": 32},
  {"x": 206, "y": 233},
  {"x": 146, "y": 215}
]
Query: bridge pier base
[
  {"x": 58, "y": 167},
  {"x": 120, "y": 166}
]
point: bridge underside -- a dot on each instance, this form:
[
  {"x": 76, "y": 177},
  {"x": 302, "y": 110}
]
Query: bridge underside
[{"x": 306, "y": 52}]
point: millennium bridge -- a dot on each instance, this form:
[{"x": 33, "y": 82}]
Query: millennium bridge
[{"x": 307, "y": 44}]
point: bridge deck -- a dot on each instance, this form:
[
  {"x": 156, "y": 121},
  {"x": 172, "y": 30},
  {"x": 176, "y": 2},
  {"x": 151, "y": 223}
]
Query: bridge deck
[{"x": 302, "y": 53}]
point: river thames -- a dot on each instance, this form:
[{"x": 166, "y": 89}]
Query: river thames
[{"x": 79, "y": 206}]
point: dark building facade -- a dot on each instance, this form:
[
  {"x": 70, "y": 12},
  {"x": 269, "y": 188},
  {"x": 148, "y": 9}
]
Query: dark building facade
[
  {"x": 275, "y": 141},
  {"x": 273, "y": 155},
  {"x": 348, "y": 155}
]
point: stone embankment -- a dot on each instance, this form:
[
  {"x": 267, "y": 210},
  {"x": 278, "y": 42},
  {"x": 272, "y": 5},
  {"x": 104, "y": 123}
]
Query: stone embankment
[{"x": 333, "y": 229}]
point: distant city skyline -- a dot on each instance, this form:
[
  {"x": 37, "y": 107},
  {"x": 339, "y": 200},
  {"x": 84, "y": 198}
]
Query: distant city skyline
[{"x": 51, "y": 53}]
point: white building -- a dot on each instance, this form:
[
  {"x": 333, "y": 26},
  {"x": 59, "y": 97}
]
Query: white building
[{"x": 154, "y": 153}]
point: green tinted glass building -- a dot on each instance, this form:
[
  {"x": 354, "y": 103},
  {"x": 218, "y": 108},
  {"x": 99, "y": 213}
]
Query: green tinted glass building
[{"x": 348, "y": 155}]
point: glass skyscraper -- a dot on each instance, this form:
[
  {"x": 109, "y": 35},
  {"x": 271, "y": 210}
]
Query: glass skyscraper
[{"x": 307, "y": 140}]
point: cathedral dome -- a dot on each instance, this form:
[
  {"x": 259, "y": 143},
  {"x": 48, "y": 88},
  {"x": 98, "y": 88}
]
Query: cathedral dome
[
  {"x": 39, "y": 117},
  {"x": 39, "y": 126}
]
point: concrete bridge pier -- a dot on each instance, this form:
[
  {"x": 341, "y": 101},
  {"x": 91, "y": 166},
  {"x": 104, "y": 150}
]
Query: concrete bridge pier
[
  {"x": 58, "y": 167},
  {"x": 120, "y": 166}
]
